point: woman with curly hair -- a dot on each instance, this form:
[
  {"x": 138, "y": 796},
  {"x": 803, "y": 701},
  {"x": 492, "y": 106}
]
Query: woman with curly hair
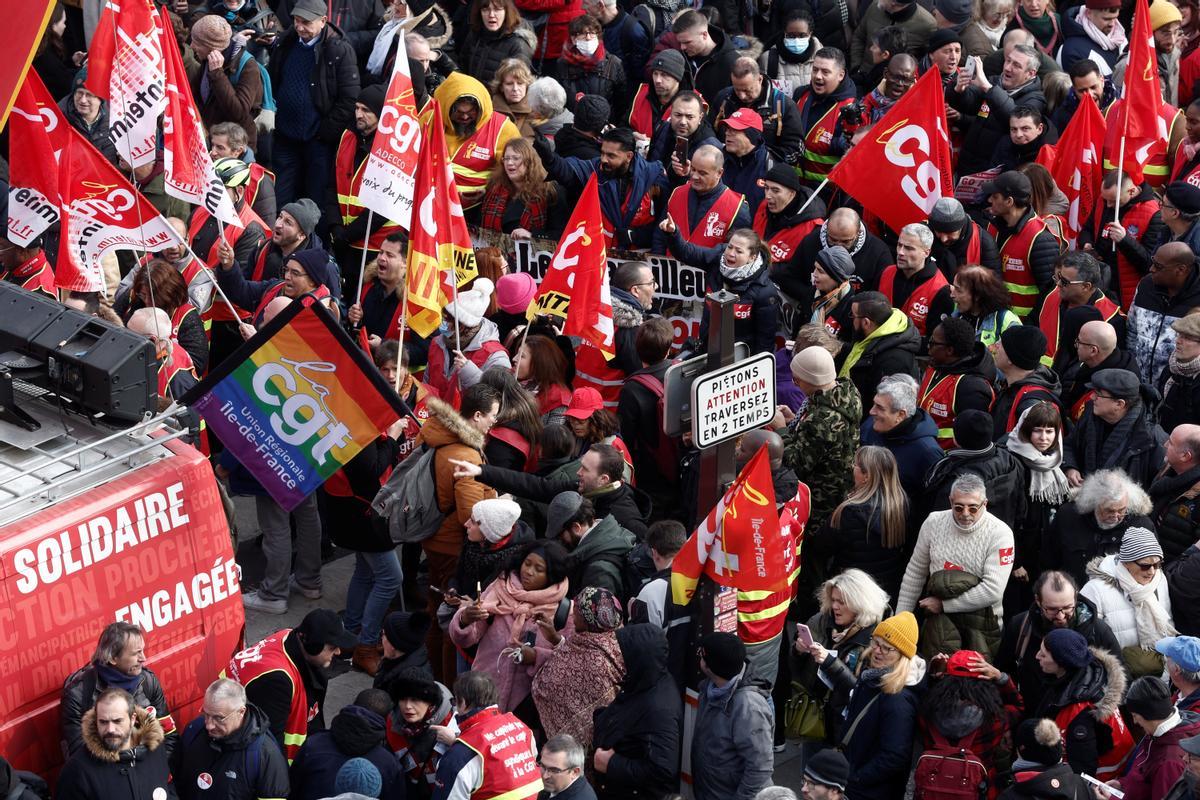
[
  {"x": 541, "y": 368},
  {"x": 981, "y": 299},
  {"x": 519, "y": 199}
]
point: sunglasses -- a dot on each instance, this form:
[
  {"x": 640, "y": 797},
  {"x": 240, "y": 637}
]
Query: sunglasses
[{"x": 1150, "y": 566}]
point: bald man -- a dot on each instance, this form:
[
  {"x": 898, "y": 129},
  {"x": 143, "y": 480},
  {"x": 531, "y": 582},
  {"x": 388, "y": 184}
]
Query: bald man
[
  {"x": 1175, "y": 493},
  {"x": 269, "y": 313},
  {"x": 1170, "y": 290},
  {"x": 176, "y": 375},
  {"x": 1095, "y": 349},
  {"x": 704, "y": 210},
  {"x": 844, "y": 226}
]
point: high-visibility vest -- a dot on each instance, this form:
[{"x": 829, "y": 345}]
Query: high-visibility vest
[
  {"x": 178, "y": 361},
  {"x": 784, "y": 242},
  {"x": 474, "y": 159},
  {"x": 817, "y": 161},
  {"x": 762, "y": 614},
  {"x": 1108, "y": 762},
  {"x": 918, "y": 303},
  {"x": 1135, "y": 220},
  {"x": 267, "y": 657},
  {"x": 35, "y": 275},
  {"x": 1017, "y": 266},
  {"x": 715, "y": 227},
  {"x": 641, "y": 113},
  {"x": 974, "y": 245},
  {"x": 1156, "y": 170},
  {"x": 507, "y": 755},
  {"x": 220, "y": 310},
  {"x": 348, "y": 178},
  {"x": 592, "y": 369},
  {"x": 1049, "y": 320},
  {"x": 938, "y": 397},
  {"x": 257, "y": 173}
]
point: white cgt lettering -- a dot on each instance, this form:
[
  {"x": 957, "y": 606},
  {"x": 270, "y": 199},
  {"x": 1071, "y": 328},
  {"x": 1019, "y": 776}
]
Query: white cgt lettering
[
  {"x": 925, "y": 190},
  {"x": 403, "y": 134}
]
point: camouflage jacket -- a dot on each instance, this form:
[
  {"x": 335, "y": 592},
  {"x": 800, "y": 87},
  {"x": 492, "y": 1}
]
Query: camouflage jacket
[{"x": 820, "y": 445}]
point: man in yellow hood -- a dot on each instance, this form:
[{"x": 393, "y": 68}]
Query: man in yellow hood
[{"x": 475, "y": 135}]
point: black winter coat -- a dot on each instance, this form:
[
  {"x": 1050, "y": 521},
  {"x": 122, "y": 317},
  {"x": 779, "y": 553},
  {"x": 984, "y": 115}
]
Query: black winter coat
[
  {"x": 1002, "y": 472},
  {"x": 1180, "y": 400},
  {"x": 334, "y": 82},
  {"x": 480, "y": 562},
  {"x": 850, "y": 648},
  {"x": 350, "y": 521},
  {"x": 974, "y": 390},
  {"x": 794, "y": 274},
  {"x": 390, "y": 670},
  {"x": 1075, "y": 539},
  {"x": 756, "y": 310},
  {"x": 97, "y": 133},
  {"x": 359, "y": 19},
  {"x": 629, "y": 506},
  {"x": 637, "y": 411},
  {"x": 783, "y": 133},
  {"x": 857, "y": 543},
  {"x": 356, "y": 732},
  {"x": 1183, "y": 579},
  {"x": 482, "y": 52},
  {"x": 95, "y": 773},
  {"x": 886, "y": 355},
  {"x": 245, "y": 765},
  {"x": 950, "y": 257},
  {"x": 607, "y": 80},
  {"x": 79, "y": 694},
  {"x": 1175, "y": 510},
  {"x": 572, "y": 142},
  {"x": 1043, "y": 379},
  {"x": 985, "y": 133},
  {"x": 642, "y": 724},
  {"x": 1078, "y": 375},
  {"x": 710, "y": 74},
  {"x": 1101, "y": 683},
  {"x": 1140, "y": 453}
]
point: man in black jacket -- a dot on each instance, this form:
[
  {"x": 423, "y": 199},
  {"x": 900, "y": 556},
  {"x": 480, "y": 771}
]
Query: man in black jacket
[
  {"x": 1003, "y": 472},
  {"x": 229, "y": 747},
  {"x": 358, "y": 731},
  {"x": 122, "y": 758},
  {"x": 119, "y": 661},
  {"x": 751, "y": 90},
  {"x": 314, "y": 72},
  {"x": 959, "y": 376},
  {"x": 1056, "y": 604},
  {"x": 709, "y": 53},
  {"x": 1117, "y": 430},
  {"x": 885, "y": 343},
  {"x": 845, "y": 227},
  {"x": 655, "y": 458},
  {"x": 960, "y": 239},
  {"x": 1175, "y": 492},
  {"x": 1025, "y": 379},
  {"x": 1095, "y": 349},
  {"x": 990, "y": 100}
]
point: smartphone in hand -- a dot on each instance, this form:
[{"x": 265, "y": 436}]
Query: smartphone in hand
[{"x": 804, "y": 635}]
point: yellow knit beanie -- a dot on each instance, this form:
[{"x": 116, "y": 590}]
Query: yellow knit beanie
[
  {"x": 1163, "y": 13},
  {"x": 900, "y": 632}
]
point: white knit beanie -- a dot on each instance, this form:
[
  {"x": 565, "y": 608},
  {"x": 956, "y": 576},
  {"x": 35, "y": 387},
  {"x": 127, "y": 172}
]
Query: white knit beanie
[
  {"x": 496, "y": 517},
  {"x": 472, "y": 304}
]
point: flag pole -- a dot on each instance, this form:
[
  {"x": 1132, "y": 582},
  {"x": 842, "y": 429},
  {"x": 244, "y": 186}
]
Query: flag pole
[
  {"x": 524, "y": 335},
  {"x": 1120, "y": 166},
  {"x": 813, "y": 196},
  {"x": 362, "y": 265}
]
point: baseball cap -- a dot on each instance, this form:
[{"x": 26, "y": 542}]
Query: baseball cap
[
  {"x": 1010, "y": 184},
  {"x": 325, "y": 627},
  {"x": 584, "y": 402},
  {"x": 310, "y": 9},
  {"x": 744, "y": 118}
]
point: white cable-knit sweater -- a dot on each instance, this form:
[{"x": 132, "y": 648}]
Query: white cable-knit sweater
[{"x": 987, "y": 551}]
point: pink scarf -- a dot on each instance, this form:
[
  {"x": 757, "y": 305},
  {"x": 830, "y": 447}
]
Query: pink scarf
[{"x": 505, "y": 597}]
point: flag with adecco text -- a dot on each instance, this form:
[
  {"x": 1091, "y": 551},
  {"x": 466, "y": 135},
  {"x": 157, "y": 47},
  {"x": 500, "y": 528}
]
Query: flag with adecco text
[
  {"x": 188, "y": 169},
  {"x": 1075, "y": 164},
  {"x": 389, "y": 176},
  {"x": 101, "y": 212},
  {"x": 740, "y": 543},
  {"x": 903, "y": 164},
  {"x": 37, "y": 131},
  {"x": 439, "y": 240},
  {"x": 125, "y": 67},
  {"x": 24, "y": 25},
  {"x": 296, "y": 402},
  {"x": 576, "y": 285}
]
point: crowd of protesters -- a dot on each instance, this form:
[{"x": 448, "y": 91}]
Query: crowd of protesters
[{"x": 988, "y": 427}]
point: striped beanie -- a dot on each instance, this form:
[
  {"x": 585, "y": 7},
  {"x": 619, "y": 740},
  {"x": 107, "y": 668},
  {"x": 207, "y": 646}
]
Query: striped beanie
[{"x": 1139, "y": 543}]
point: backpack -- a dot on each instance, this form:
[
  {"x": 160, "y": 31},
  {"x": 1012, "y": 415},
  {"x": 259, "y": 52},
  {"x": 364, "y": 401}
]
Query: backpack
[
  {"x": 950, "y": 771},
  {"x": 666, "y": 451},
  {"x": 636, "y": 568},
  {"x": 268, "y": 98},
  {"x": 408, "y": 502},
  {"x": 251, "y": 756},
  {"x": 652, "y": 19}
]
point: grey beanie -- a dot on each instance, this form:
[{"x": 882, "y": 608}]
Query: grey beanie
[
  {"x": 837, "y": 262},
  {"x": 562, "y": 508},
  {"x": 947, "y": 215},
  {"x": 306, "y": 214}
]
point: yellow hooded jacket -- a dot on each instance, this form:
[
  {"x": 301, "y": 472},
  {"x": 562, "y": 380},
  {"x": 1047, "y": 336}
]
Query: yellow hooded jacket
[{"x": 473, "y": 158}]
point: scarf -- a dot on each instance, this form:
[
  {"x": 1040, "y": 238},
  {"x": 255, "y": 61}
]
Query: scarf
[
  {"x": 858, "y": 240},
  {"x": 586, "y": 63},
  {"x": 1044, "y": 29},
  {"x": 383, "y": 43},
  {"x": 743, "y": 272},
  {"x": 1108, "y": 41},
  {"x": 1047, "y": 483},
  {"x": 993, "y": 34},
  {"x": 233, "y": 59},
  {"x": 1153, "y": 622},
  {"x": 1184, "y": 369},
  {"x": 115, "y": 678},
  {"x": 496, "y": 202},
  {"x": 1114, "y": 444},
  {"x": 506, "y": 598},
  {"x": 896, "y": 323},
  {"x": 824, "y": 306}
]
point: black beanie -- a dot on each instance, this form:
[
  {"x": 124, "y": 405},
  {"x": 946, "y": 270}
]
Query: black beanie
[
  {"x": 784, "y": 175},
  {"x": 373, "y": 97},
  {"x": 1039, "y": 741},
  {"x": 1150, "y": 697},
  {"x": 406, "y": 630},
  {"x": 973, "y": 429},
  {"x": 1024, "y": 345},
  {"x": 724, "y": 653},
  {"x": 417, "y": 684},
  {"x": 592, "y": 113}
]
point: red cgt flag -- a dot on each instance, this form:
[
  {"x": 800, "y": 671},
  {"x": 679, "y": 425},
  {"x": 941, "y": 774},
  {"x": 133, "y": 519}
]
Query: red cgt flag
[
  {"x": 1142, "y": 94},
  {"x": 576, "y": 284},
  {"x": 740, "y": 543},
  {"x": 37, "y": 131},
  {"x": 903, "y": 166},
  {"x": 1075, "y": 163}
]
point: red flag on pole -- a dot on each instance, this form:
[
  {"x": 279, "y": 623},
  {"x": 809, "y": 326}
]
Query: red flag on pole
[
  {"x": 1142, "y": 92},
  {"x": 24, "y": 25},
  {"x": 1075, "y": 163},
  {"x": 389, "y": 176},
  {"x": 37, "y": 131},
  {"x": 576, "y": 284},
  {"x": 902, "y": 167}
]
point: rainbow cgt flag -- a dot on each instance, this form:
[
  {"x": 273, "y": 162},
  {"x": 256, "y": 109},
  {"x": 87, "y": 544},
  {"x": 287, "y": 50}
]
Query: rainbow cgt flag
[{"x": 296, "y": 402}]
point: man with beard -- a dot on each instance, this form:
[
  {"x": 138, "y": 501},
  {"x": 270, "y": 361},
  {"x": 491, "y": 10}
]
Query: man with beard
[
  {"x": 651, "y": 106},
  {"x": 123, "y": 757},
  {"x": 820, "y": 115},
  {"x": 782, "y": 224},
  {"x": 475, "y": 135},
  {"x": 988, "y": 102},
  {"x": 750, "y": 90},
  {"x": 351, "y": 233},
  {"x": 845, "y": 228},
  {"x": 1027, "y": 133},
  {"x": 379, "y": 309},
  {"x": 1085, "y": 79},
  {"x": 705, "y": 210},
  {"x": 1056, "y": 604},
  {"x": 960, "y": 239},
  {"x": 628, "y": 184},
  {"x": 676, "y": 142}
]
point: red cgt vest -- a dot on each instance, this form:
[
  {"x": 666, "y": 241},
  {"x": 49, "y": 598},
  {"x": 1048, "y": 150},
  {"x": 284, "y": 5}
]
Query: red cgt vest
[
  {"x": 939, "y": 399},
  {"x": 1109, "y": 762},
  {"x": 508, "y": 755},
  {"x": 715, "y": 227},
  {"x": 785, "y": 240},
  {"x": 641, "y": 114},
  {"x": 269, "y": 656},
  {"x": 393, "y": 329},
  {"x": 472, "y": 162},
  {"x": 178, "y": 361},
  {"x": 817, "y": 162},
  {"x": 1049, "y": 319},
  {"x": 348, "y": 178},
  {"x": 917, "y": 304},
  {"x": 1016, "y": 266},
  {"x": 1134, "y": 221}
]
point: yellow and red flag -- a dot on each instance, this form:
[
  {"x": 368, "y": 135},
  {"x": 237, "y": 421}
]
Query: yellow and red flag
[
  {"x": 24, "y": 24},
  {"x": 740, "y": 543},
  {"x": 439, "y": 245}
]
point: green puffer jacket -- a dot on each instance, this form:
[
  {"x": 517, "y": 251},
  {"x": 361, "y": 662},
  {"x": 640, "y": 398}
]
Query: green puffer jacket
[{"x": 977, "y": 630}]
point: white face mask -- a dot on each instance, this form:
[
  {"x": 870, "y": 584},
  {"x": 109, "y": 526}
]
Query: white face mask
[
  {"x": 587, "y": 46},
  {"x": 796, "y": 45}
]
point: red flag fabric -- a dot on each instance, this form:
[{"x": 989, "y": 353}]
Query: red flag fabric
[
  {"x": 24, "y": 24},
  {"x": 576, "y": 284},
  {"x": 1142, "y": 92},
  {"x": 902, "y": 167},
  {"x": 439, "y": 237},
  {"x": 189, "y": 172},
  {"x": 389, "y": 177},
  {"x": 740, "y": 543},
  {"x": 37, "y": 131},
  {"x": 125, "y": 67},
  {"x": 101, "y": 213},
  {"x": 1075, "y": 163}
]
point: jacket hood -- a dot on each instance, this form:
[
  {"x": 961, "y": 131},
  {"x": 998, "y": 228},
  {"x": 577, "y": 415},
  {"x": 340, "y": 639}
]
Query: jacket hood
[
  {"x": 446, "y": 426},
  {"x": 955, "y": 723},
  {"x": 897, "y": 333},
  {"x": 607, "y": 538},
  {"x": 1102, "y": 683},
  {"x": 256, "y": 721},
  {"x": 458, "y": 85},
  {"x": 919, "y": 426},
  {"x": 1042, "y": 376},
  {"x": 357, "y": 730},
  {"x": 644, "y": 648},
  {"x": 147, "y": 736},
  {"x": 792, "y": 215},
  {"x": 627, "y": 311},
  {"x": 1053, "y": 783}
]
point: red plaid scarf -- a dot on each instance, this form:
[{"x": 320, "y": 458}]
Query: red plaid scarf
[{"x": 533, "y": 218}]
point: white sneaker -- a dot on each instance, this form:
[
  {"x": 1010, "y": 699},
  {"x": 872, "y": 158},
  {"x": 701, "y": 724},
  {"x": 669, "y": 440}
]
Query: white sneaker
[
  {"x": 252, "y": 601},
  {"x": 309, "y": 594}
]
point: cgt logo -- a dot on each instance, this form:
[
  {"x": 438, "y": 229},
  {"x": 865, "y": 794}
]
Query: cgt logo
[
  {"x": 104, "y": 200},
  {"x": 303, "y": 415},
  {"x": 923, "y": 186}
]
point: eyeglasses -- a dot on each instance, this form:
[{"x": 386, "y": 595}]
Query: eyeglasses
[
  {"x": 1117, "y": 514},
  {"x": 1064, "y": 283},
  {"x": 1085, "y": 344},
  {"x": 1148, "y": 566},
  {"x": 646, "y": 283},
  {"x": 884, "y": 647},
  {"x": 1158, "y": 266},
  {"x": 221, "y": 719},
  {"x": 901, "y": 80},
  {"x": 1063, "y": 611},
  {"x": 294, "y": 273},
  {"x": 970, "y": 508},
  {"x": 554, "y": 770}
]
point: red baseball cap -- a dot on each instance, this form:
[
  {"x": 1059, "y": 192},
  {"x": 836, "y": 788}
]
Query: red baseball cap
[
  {"x": 584, "y": 403},
  {"x": 744, "y": 118},
  {"x": 961, "y": 663}
]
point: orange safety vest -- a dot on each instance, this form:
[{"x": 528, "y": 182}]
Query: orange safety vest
[
  {"x": 35, "y": 275},
  {"x": 219, "y": 312},
  {"x": 939, "y": 400},
  {"x": 714, "y": 228},
  {"x": 817, "y": 162},
  {"x": 1050, "y": 318},
  {"x": 269, "y": 656},
  {"x": 348, "y": 178},
  {"x": 474, "y": 159},
  {"x": 641, "y": 114},
  {"x": 507, "y": 755},
  {"x": 592, "y": 369},
  {"x": 257, "y": 173},
  {"x": 1156, "y": 170},
  {"x": 785, "y": 240},
  {"x": 1016, "y": 266},
  {"x": 1108, "y": 763},
  {"x": 761, "y": 614},
  {"x": 918, "y": 303}
]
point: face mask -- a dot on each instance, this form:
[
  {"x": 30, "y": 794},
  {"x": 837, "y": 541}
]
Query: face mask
[
  {"x": 444, "y": 329},
  {"x": 796, "y": 46},
  {"x": 587, "y": 46}
]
